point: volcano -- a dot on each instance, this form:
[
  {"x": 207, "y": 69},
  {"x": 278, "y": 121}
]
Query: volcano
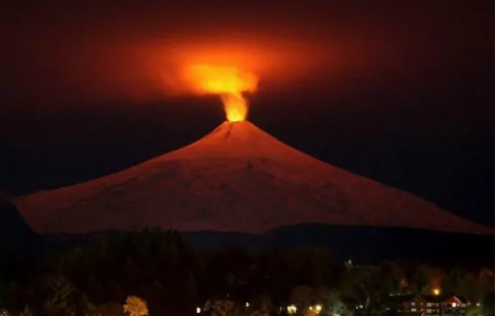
[{"x": 236, "y": 179}]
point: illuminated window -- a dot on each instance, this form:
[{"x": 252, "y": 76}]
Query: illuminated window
[{"x": 428, "y": 304}]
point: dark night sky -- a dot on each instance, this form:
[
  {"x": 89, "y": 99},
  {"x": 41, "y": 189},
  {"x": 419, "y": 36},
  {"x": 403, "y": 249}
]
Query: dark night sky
[{"x": 399, "y": 91}]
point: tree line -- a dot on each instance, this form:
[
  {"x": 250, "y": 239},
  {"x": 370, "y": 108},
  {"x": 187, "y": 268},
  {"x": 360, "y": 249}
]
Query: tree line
[{"x": 171, "y": 276}]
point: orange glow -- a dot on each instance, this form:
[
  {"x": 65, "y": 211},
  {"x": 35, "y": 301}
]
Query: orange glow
[
  {"x": 228, "y": 82},
  {"x": 236, "y": 107}
]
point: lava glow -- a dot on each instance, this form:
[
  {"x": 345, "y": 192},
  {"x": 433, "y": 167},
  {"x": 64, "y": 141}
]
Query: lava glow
[{"x": 229, "y": 83}]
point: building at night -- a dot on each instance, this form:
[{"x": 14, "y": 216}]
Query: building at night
[{"x": 432, "y": 305}]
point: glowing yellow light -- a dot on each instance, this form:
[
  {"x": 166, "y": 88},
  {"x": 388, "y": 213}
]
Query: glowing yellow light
[
  {"x": 436, "y": 291},
  {"x": 292, "y": 309},
  {"x": 229, "y": 83},
  {"x": 318, "y": 308}
]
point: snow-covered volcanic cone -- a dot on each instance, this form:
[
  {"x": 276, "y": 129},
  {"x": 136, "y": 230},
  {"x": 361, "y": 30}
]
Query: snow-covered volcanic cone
[{"x": 237, "y": 178}]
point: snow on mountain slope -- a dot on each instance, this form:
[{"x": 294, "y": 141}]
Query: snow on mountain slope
[{"x": 237, "y": 178}]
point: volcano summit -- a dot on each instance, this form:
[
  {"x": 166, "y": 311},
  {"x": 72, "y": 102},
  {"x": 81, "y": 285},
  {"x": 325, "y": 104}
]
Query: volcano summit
[{"x": 237, "y": 178}]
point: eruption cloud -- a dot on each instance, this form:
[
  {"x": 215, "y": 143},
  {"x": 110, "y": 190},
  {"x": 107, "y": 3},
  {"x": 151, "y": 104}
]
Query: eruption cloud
[{"x": 228, "y": 82}]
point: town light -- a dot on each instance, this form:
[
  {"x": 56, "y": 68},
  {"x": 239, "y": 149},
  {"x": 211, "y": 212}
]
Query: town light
[
  {"x": 198, "y": 310},
  {"x": 436, "y": 291},
  {"x": 247, "y": 304},
  {"x": 291, "y": 309},
  {"x": 478, "y": 304},
  {"x": 318, "y": 308}
]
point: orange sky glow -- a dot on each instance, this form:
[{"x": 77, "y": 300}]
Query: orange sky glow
[
  {"x": 140, "y": 52},
  {"x": 275, "y": 64},
  {"x": 142, "y": 62},
  {"x": 229, "y": 71},
  {"x": 230, "y": 83}
]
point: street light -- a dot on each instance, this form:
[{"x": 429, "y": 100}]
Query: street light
[
  {"x": 436, "y": 291},
  {"x": 291, "y": 309}
]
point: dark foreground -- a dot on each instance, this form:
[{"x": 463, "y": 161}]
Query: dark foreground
[{"x": 175, "y": 273}]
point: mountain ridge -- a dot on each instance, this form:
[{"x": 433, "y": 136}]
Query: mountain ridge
[{"x": 236, "y": 178}]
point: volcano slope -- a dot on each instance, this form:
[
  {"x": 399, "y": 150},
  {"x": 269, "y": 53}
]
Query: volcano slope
[{"x": 238, "y": 179}]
